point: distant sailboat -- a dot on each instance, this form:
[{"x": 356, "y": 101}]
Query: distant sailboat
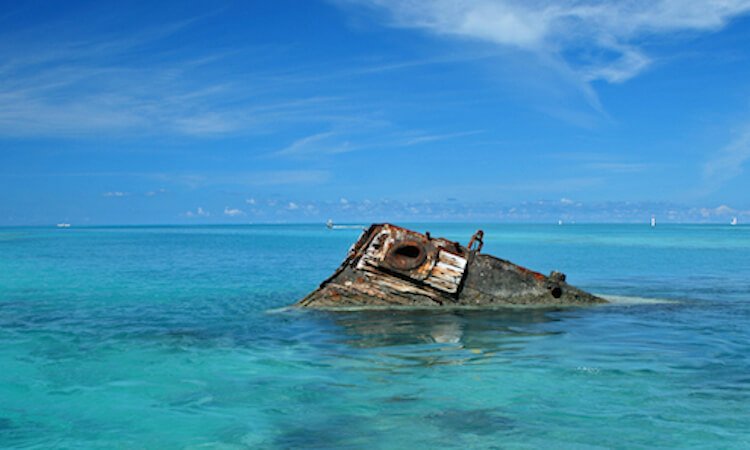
[
  {"x": 560, "y": 222},
  {"x": 653, "y": 221},
  {"x": 734, "y": 221}
]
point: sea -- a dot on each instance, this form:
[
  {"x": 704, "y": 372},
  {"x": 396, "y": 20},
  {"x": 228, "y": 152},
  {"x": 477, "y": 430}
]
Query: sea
[{"x": 180, "y": 338}]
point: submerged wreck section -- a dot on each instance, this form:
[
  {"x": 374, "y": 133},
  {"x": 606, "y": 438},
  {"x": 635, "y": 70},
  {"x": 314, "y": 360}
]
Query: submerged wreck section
[{"x": 390, "y": 267}]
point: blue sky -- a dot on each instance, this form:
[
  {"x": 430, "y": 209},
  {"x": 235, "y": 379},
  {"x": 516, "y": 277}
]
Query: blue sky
[{"x": 296, "y": 111}]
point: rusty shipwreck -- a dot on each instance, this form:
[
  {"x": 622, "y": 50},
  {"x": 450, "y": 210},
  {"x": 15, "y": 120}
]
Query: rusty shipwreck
[{"x": 392, "y": 267}]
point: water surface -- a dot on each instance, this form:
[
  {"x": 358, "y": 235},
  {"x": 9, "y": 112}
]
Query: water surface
[{"x": 161, "y": 337}]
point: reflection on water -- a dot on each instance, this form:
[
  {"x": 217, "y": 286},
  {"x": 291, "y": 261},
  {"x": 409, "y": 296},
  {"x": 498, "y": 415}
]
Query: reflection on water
[
  {"x": 400, "y": 341},
  {"x": 474, "y": 329}
]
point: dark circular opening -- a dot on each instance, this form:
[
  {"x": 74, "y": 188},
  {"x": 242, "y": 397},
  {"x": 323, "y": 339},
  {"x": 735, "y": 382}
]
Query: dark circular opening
[
  {"x": 406, "y": 255},
  {"x": 408, "y": 251},
  {"x": 556, "y": 292}
]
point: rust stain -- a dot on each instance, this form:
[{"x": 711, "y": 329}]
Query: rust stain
[{"x": 538, "y": 276}]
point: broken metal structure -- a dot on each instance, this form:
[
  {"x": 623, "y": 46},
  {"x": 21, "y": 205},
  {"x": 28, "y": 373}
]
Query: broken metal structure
[{"x": 391, "y": 267}]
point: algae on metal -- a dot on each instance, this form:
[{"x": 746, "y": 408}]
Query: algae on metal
[{"x": 392, "y": 267}]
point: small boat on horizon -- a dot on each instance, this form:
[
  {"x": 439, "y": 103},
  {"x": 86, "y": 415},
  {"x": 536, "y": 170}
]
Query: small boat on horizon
[
  {"x": 653, "y": 221},
  {"x": 63, "y": 225},
  {"x": 331, "y": 226},
  {"x": 734, "y": 221}
]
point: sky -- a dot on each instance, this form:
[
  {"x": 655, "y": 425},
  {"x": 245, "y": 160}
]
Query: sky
[{"x": 374, "y": 110}]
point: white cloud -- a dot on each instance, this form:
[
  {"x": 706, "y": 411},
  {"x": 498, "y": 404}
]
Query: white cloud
[
  {"x": 550, "y": 211},
  {"x": 199, "y": 212},
  {"x": 115, "y": 194},
  {"x": 250, "y": 201},
  {"x": 724, "y": 209},
  {"x": 596, "y": 40},
  {"x": 233, "y": 212},
  {"x": 719, "y": 211}
]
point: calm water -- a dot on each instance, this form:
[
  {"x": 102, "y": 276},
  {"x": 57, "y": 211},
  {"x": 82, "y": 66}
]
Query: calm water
[{"x": 162, "y": 338}]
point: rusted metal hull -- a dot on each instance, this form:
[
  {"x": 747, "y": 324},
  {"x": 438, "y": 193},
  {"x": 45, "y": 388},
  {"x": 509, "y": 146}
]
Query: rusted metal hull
[{"x": 391, "y": 267}]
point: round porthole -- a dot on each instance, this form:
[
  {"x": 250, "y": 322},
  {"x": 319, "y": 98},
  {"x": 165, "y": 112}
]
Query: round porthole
[{"x": 406, "y": 255}]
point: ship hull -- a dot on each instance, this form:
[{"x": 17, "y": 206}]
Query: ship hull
[{"x": 392, "y": 267}]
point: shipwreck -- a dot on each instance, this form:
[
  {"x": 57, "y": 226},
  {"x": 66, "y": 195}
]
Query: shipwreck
[{"x": 392, "y": 267}]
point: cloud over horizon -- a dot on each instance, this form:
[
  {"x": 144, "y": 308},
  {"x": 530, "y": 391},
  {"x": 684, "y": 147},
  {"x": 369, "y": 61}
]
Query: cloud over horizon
[
  {"x": 540, "y": 211},
  {"x": 233, "y": 212},
  {"x": 199, "y": 212}
]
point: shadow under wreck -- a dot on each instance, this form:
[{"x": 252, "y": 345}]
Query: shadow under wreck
[{"x": 392, "y": 267}]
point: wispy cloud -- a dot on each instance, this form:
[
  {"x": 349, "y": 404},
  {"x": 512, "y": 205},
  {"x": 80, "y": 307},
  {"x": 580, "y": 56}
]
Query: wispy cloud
[
  {"x": 68, "y": 84},
  {"x": 348, "y": 140},
  {"x": 264, "y": 178},
  {"x": 428, "y": 138},
  {"x": 617, "y": 167},
  {"x": 196, "y": 180},
  {"x": 602, "y": 162},
  {"x": 594, "y": 40},
  {"x": 316, "y": 145},
  {"x": 728, "y": 163},
  {"x": 285, "y": 177},
  {"x": 115, "y": 194},
  {"x": 199, "y": 212},
  {"x": 721, "y": 211}
]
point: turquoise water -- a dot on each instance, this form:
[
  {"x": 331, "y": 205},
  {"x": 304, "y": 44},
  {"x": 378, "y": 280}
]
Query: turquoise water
[{"x": 169, "y": 337}]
